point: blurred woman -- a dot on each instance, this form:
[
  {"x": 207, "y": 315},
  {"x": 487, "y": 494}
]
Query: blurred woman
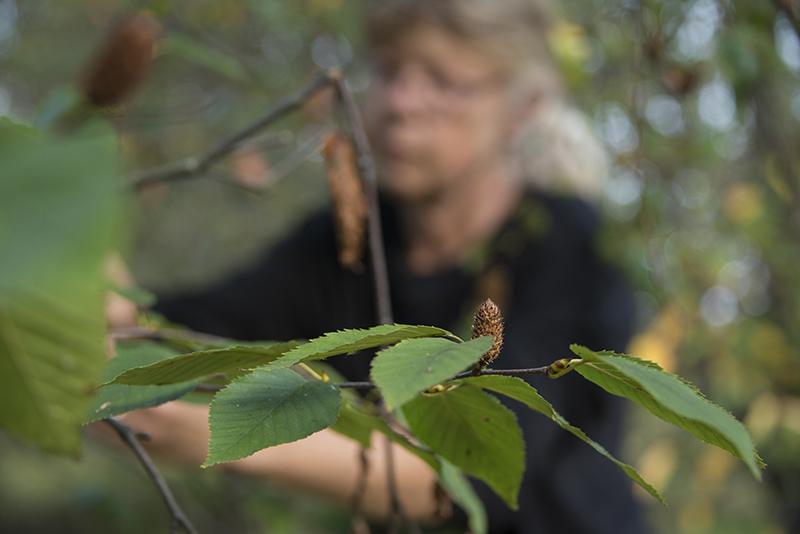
[{"x": 458, "y": 86}]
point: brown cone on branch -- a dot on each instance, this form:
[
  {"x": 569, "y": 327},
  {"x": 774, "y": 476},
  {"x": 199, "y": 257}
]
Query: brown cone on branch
[
  {"x": 488, "y": 322},
  {"x": 121, "y": 62},
  {"x": 348, "y": 198}
]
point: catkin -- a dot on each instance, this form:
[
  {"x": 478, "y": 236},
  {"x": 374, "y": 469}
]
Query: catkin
[
  {"x": 347, "y": 196},
  {"x": 121, "y": 62},
  {"x": 489, "y": 322}
]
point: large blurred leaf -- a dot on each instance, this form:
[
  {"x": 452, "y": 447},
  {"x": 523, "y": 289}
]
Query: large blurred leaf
[
  {"x": 116, "y": 399},
  {"x": 413, "y": 365},
  {"x": 518, "y": 389},
  {"x": 671, "y": 399},
  {"x": 267, "y": 408},
  {"x": 58, "y": 206},
  {"x": 349, "y": 341},
  {"x": 475, "y": 432},
  {"x": 203, "y": 363}
]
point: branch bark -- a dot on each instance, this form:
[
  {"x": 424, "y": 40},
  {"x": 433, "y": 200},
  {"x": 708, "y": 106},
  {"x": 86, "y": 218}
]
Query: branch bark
[
  {"x": 366, "y": 167},
  {"x": 194, "y": 166},
  {"x": 178, "y": 518}
]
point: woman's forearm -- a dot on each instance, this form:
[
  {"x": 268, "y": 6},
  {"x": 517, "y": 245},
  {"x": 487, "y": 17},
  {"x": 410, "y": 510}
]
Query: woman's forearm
[{"x": 325, "y": 463}]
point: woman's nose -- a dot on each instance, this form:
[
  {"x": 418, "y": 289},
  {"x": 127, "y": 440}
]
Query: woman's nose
[{"x": 405, "y": 93}]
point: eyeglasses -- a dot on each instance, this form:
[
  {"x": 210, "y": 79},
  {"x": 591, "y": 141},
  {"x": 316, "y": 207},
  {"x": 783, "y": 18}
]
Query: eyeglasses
[{"x": 435, "y": 87}]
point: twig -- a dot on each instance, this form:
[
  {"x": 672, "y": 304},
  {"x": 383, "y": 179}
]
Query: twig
[
  {"x": 394, "y": 500},
  {"x": 359, "y": 524},
  {"x": 191, "y": 167},
  {"x": 546, "y": 370},
  {"x": 179, "y": 519},
  {"x": 366, "y": 167}
]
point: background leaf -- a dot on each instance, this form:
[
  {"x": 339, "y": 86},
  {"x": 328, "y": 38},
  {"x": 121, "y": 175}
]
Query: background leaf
[
  {"x": 267, "y": 408},
  {"x": 117, "y": 399},
  {"x": 203, "y": 363},
  {"x": 459, "y": 488},
  {"x": 475, "y": 432},
  {"x": 405, "y": 369},
  {"x": 518, "y": 389},
  {"x": 671, "y": 399},
  {"x": 348, "y": 341}
]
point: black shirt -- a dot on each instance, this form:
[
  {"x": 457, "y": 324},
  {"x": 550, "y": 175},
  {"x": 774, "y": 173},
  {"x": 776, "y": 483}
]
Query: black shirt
[{"x": 543, "y": 272}]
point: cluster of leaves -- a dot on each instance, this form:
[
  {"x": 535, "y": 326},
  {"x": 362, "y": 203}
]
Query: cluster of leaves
[{"x": 272, "y": 397}]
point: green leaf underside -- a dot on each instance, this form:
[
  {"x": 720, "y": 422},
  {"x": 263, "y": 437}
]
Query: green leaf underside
[
  {"x": 202, "y": 363},
  {"x": 117, "y": 399},
  {"x": 475, "y": 432},
  {"x": 670, "y": 398},
  {"x": 349, "y": 341},
  {"x": 354, "y": 424},
  {"x": 519, "y": 390},
  {"x": 413, "y": 365},
  {"x": 358, "y": 425},
  {"x": 267, "y": 408},
  {"x": 51, "y": 355},
  {"x": 459, "y": 488}
]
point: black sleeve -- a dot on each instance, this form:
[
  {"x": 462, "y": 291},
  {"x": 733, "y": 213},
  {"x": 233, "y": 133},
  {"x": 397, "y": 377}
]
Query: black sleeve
[{"x": 297, "y": 290}]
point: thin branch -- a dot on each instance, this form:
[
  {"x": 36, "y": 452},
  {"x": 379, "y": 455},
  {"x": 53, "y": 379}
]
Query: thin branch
[
  {"x": 194, "y": 166},
  {"x": 359, "y": 524},
  {"x": 394, "y": 500},
  {"x": 355, "y": 385},
  {"x": 179, "y": 519},
  {"x": 366, "y": 167}
]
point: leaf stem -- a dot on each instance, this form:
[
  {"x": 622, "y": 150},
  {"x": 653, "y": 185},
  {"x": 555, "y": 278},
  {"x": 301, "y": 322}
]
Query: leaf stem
[{"x": 179, "y": 519}]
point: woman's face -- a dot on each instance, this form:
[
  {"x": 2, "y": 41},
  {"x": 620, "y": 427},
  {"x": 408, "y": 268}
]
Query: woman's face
[{"x": 438, "y": 113}]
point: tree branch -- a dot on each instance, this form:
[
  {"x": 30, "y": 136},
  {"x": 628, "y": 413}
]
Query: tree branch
[
  {"x": 179, "y": 519},
  {"x": 194, "y": 166},
  {"x": 366, "y": 167}
]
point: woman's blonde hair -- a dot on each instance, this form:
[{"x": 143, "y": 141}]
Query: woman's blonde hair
[{"x": 556, "y": 149}]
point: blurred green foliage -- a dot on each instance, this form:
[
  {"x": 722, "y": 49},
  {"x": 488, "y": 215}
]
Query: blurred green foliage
[{"x": 698, "y": 101}]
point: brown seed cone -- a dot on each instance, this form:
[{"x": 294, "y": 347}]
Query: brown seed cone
[
  {"x": 121, "y": 62},
  {"x": 489, "y": 322},
  {"x": 348, "y": 198}
]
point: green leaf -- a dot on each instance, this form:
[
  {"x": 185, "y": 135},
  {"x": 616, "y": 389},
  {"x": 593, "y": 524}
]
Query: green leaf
[
  {"x": 59, "y": 207},
  {"x": 349, "y": 341},
  {"x": 267, "y": 408},
  {"x": 51, "y": 356},
  {"x": 414, "y": 365},
  {"x": 205, "y": 56},
  {"x": 358, "y": 425},
  {"x": 459, "y": 488},
  {"x": 518, "y": 389},
  {"x": 117, "y": 399},
  {"x": 203, "y": 363},
  {"x": 354, "y": 424},
  {"x": 670, "y": 398},
  {"x": 475, "y": 432}
]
